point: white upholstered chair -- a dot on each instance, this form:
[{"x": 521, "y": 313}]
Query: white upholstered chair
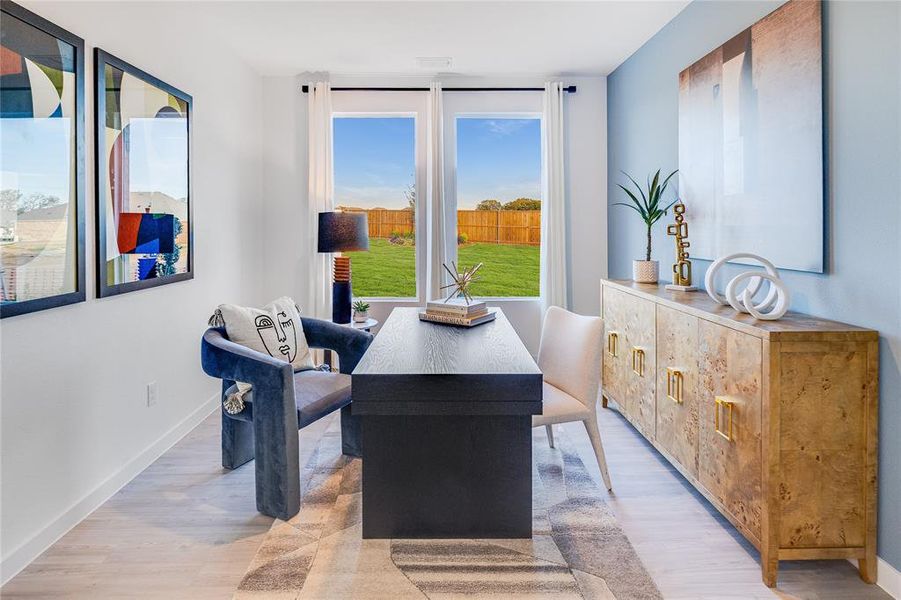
[{"x": 570, "y": 358}]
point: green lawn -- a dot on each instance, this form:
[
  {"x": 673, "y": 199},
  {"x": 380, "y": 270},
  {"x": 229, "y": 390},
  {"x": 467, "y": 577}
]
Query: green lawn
[{"x": 387, "y": 270}]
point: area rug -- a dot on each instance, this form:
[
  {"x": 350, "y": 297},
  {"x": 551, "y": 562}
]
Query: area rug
[{"x": 578, "y": 549}]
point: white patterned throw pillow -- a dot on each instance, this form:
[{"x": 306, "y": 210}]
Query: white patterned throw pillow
[{"x": 275, "y": 330}]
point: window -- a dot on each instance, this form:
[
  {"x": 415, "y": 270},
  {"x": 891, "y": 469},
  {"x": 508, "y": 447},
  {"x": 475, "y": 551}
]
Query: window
[
  {"x": 375, "y": 166},
  {"x": 493, "y": 180},
  {"x": 493, "y": 188},
  {"x": 498, "y": 199}
]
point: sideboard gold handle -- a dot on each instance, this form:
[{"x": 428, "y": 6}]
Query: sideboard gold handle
[
  {"x": 720, "y": 404},
  {"x": 638, "y": 361},
  {"x": 674, "y": 385},
  {"x": 612, "y": 339}
]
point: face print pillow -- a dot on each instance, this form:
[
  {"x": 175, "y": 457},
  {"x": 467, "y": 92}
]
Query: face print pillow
[{"x": 274, "y": 330}]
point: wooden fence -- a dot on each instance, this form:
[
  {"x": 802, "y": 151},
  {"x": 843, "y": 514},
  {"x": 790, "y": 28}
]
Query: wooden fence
[{"x": 494, "y": 226}]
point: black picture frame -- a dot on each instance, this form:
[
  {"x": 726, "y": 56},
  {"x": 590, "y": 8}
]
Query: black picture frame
[
  {"x": 101, "y": 59},
  {"x": 11, "y": 309}
]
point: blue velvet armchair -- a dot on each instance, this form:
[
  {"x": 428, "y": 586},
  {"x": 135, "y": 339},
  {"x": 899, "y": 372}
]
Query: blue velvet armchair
[{"x": 280, "y": 403}]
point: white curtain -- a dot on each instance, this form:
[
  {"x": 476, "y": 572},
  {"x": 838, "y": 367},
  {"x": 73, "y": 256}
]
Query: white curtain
[
  {"x": 434, "y": 198},
  {"x": 553, "y": 217},
  {"x": 321, "y": 197}
]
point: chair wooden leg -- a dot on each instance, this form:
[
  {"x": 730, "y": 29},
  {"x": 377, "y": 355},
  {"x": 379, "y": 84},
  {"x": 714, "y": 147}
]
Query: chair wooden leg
[
  {"x": 550, "y": 435},
  {"x": 594, "y": 434}
]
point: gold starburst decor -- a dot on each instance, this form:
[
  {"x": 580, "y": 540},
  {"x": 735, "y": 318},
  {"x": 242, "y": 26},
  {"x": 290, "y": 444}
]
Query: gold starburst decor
[{"x": 462, "y": 281}]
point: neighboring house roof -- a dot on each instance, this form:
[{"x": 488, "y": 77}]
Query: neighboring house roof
[
  {"x": 158, "y": 203},
  {"x": 51, "y": 213}
]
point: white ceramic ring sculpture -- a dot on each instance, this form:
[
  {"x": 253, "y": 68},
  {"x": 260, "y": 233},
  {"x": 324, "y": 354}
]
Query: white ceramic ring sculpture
[
  {"x": 746, "y": 301},
  {"x": 753, "y": 285}
]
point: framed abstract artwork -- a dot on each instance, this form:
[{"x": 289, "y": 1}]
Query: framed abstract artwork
[
  {"x": 143, "y": 179},
  {"x": 751, "y": 168},
  {"x": 42, "y": 233}
]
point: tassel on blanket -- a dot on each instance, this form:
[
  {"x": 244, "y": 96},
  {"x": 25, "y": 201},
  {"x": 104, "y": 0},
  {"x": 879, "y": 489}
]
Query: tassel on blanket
[
  {"x": 234, "y": 403},
  {"x": 216, "y": 320}
]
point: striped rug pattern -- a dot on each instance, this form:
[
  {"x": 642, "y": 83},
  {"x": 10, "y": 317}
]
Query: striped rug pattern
[{"x": 578, "y": 550}]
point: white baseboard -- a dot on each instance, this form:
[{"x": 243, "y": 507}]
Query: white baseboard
[
  {"x": 22, "y": 556},
  {"x": 887, "y": 577}
]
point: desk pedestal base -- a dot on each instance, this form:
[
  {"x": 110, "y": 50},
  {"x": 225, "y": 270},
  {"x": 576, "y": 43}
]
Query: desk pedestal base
[{"x": 454, "y": 476}]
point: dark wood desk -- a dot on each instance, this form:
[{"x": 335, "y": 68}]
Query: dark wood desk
[{"x": 447, "y": 419}]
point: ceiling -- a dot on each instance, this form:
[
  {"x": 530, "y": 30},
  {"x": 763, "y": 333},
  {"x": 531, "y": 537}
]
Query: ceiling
[{"x": 482, "y": 38}]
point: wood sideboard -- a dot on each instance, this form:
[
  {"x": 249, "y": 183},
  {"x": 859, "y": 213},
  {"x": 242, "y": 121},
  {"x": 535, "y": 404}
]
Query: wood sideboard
[{"x": 774, "y": 422}]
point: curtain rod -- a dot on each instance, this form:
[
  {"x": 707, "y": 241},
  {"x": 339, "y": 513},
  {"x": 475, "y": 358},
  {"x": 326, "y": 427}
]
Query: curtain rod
[{"x": 569, "y": 89}]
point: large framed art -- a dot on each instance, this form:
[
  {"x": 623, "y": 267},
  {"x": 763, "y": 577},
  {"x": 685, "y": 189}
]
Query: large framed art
[
  {"x": 144, "y": 207},
  {"x": 751, "y": 158},
  {"x": 42, "y": 231}
]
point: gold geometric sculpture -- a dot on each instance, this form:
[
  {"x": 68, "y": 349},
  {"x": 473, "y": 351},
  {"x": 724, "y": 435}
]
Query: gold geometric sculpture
[
  {"x": 682, "y": 267},
  {"x": 462, "y": 281}
]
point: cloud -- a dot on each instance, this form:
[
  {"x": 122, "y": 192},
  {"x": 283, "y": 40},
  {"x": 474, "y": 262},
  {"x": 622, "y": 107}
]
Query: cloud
[{"x": 504, "y": 127}]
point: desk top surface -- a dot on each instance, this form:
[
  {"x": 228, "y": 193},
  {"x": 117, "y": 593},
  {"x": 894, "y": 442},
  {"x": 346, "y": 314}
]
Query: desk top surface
[{"x": 407, "y": 346}]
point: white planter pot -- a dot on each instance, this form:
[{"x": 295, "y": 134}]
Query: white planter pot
[
  {"x": 645, "y": 271},
  {"x": 360, "y": 317}
]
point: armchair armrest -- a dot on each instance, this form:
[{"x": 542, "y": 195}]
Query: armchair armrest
[
  {"x": 227, "y": 360},
  {"x": 349, "y": 343},
  {"x": 271, "y": 439}
]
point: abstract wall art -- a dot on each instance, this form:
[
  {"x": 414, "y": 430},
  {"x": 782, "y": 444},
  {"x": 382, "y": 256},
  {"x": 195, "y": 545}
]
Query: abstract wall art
[
  {"x": 751, "y": 141},
  {"x": 144, "y": 210},
  {"x": 42, "y": 170}
]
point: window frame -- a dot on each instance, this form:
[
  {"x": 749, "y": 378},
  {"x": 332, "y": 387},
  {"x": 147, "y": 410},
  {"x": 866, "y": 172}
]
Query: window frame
[
  {"x": 487, "y": 105},
  {"x": 403, "y": 104}
]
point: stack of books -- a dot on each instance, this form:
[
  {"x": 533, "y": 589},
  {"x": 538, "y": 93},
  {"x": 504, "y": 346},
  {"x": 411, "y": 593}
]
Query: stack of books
[{"x": 457, "y": 312}]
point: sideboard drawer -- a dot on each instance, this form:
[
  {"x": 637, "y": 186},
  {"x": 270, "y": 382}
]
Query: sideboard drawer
[
  {"x": 677, "y": 386},
  {"x": 729, "y": 396}
]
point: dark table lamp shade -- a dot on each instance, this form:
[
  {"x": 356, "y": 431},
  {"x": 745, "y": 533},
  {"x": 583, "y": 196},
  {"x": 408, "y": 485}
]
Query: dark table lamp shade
[{"x": 342, "y": 232}]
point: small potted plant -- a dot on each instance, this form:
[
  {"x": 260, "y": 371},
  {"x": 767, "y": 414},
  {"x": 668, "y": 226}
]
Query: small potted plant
[
  {"x": 650, "y": 211},
  {"x": 361, "y": 311}
]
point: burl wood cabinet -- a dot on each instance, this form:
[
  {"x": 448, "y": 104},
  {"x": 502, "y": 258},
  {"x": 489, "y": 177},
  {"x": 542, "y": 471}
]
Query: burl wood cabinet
[{"x": 774, "y": 422}]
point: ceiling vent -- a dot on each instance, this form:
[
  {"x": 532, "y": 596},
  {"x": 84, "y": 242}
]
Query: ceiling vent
[{"x": 434, "y": 63}]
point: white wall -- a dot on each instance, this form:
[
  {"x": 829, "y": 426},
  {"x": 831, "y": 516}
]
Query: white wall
[
  {"x": 75, "y": 424},
  {"x": 285, "y": 189}
]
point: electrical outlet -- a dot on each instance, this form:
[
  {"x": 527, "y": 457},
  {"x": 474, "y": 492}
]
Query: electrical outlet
[{"x": 151, "y": 394}]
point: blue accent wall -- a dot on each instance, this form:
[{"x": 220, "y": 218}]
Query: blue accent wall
[{"x": 862, "y": 283}]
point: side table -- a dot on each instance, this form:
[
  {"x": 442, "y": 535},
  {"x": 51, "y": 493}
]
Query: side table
[{"x": 366, "y": 326}]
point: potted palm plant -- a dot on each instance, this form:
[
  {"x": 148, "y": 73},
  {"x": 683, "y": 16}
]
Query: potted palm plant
[{"x": 650, "y": 210}]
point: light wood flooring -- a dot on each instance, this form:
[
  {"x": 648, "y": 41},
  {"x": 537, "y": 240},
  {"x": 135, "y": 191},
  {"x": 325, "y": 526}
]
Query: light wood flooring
[{"x": 186, "y": 528}]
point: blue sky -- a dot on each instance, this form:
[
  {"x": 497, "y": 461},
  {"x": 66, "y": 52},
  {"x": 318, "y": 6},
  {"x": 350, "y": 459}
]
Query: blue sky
[
  {"x": 34, "y": 148},
  {"x": 32, "y": 151},
  {"x": 496, "y": 158},
  {"x": 157, "y": 158},
  {"x": 374, "y": 161}
]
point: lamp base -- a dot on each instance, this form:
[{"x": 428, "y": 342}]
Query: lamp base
[
  {"x": 341, "y": 299},
  {"x": 342, "y": 294}
]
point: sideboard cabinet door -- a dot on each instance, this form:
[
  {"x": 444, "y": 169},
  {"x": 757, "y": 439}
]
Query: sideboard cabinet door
[
  {"x": 677, "y": 386},
  {"x": 730, "y": 421},
  {"x": 613, "y": 380},
  {"x": 639, "y": 363}
]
